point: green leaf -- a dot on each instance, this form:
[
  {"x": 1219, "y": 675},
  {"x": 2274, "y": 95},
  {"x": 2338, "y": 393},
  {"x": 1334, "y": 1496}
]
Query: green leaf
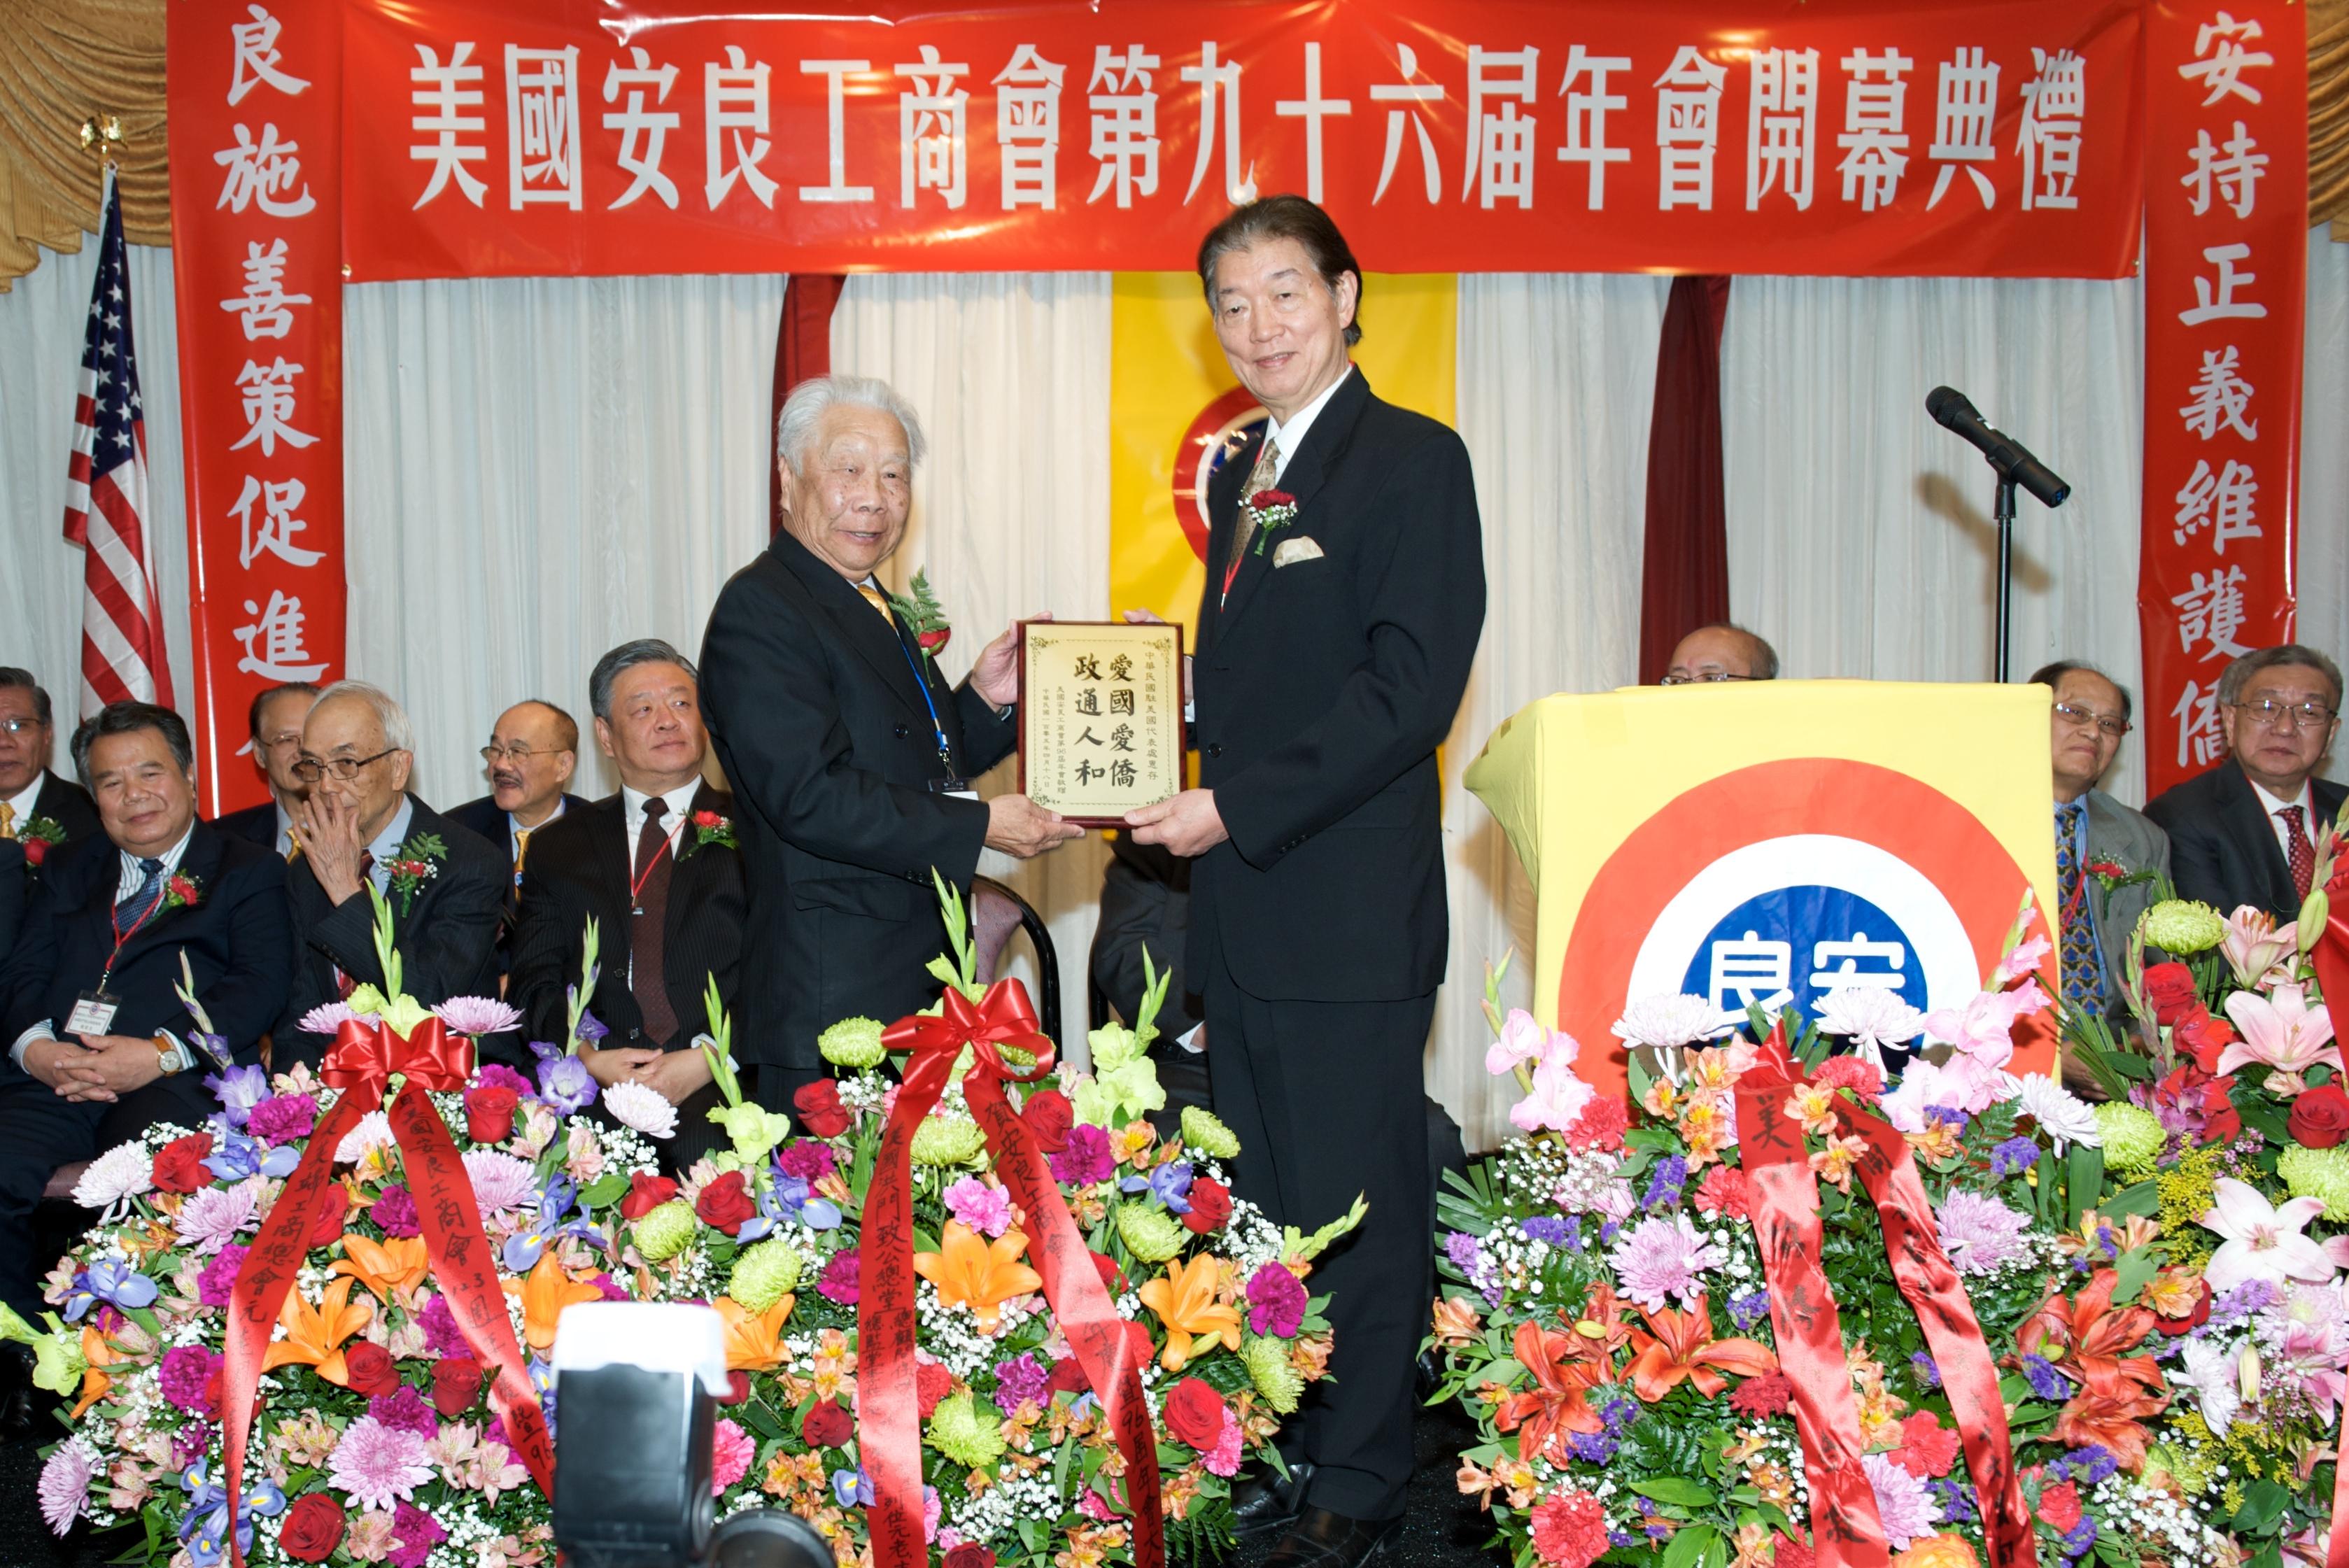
[
  {"x": 2263, "y": 1505},
  {"x": 2141, "y": 1199},
  {"x": 2083, "y": 1185},
  {"x": 1688, "y": 1548},
  {"x": 606, "y": 1191},
  {"x": 1673, "y": 1490},
  {"x": 2136, "y": 1266}
]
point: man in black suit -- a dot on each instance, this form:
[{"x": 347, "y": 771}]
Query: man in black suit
[
  {"x": 1341, "y": 613},
  {"x": 652, "y": 866},
  {"x": 99, "y": 1045},
  {"x": 36, "y": 807},
  {"x": 274, "y": 722},
  {"x": 533, "y": 752},
  {"x": 2243, "y": 833},
  {"x": 851, "y": 758},
  {"x": 12, "y": 897},
  {"x": 360, "y": 825}
]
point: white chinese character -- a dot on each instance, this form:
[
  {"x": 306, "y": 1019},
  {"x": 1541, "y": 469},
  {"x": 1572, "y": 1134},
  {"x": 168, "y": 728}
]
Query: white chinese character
[
  {"x": 1688, "y": 124},
  {"x": 2222, "y": 72},
  {"x": 930, "y": 129},
  {"x": 1400, "y": 94},
  {"x": 1875, "y": 136},
  {"x": 441, "y": 93},
  {"x": 269, "y": 408},
  {"x": 1965, "y": 103},
  {"x": 734, "y": 98},
  {"x": 1500, "y": 142},
  {"x": 2198, "y": 733},
  {"x": 1836, "y": 965},
  {"x": 835, "y": 74},
  {"x": 1758, "y": 972},
  {"x": 1027, "y": 126},
  {"x": 258, "y": 57},
  {"x": 2225, "y": 500},
  {"x": 2211, "y": 611},
  {"x": 2055, "y": 102},
  {"x": 1225, "y": 81},
  {"x": 2214, "y": 301},
  {"x": 263, "y": 305},
  {"x": 262, "y": 174},
  {"x": 1312, "y": 108},
  {"x": 2236, "y": 175},
  {"x": 2220, "y": 397},
  {"x": 1124, "y": 123},
  {"x": 634, "y": 121},
  {"x": 542, "y": 126},
  {"x": 1782, "y": 124},
  {"x": 274, "y": 536},
  {"x": 277, "y": 629},
  {"x": 1585, "y": 119}
]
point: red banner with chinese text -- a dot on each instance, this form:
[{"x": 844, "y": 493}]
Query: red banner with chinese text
[
  {"x": 2225, "y": 239},
  {"x": 256, "y": 105}
]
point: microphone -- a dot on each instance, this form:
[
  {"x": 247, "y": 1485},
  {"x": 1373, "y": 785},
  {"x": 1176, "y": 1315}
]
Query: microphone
[{"x": 2010, "y": 457}]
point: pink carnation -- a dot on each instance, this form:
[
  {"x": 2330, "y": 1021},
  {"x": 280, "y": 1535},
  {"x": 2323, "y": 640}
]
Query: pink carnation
[
  {"x": 731, "y": 1455},
  {"x": 414, "y": 1533},
  {"x": 282, "y": 1117},
  {"x": 1276, "y": 1302}
]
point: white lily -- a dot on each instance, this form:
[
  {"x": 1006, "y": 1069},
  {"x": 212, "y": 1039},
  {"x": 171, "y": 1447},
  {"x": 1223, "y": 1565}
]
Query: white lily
[
  {"x": 2215, "y": 1373},
  {"x": 2263, "y": 1240}
]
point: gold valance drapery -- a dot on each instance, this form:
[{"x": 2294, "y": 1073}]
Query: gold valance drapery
[{"x": 62, "y": 61}]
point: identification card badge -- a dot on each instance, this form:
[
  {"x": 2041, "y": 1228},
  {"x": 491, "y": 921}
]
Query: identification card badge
[
  {"x": 960, "y": 789},
  {"x": 93, "y": 1013}
]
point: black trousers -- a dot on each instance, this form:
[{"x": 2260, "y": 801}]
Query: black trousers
[
  {"x": 1327, "y": 1099},
  {"x": 40, "y": 1131},
  {"x": 695, "y": 1134}
]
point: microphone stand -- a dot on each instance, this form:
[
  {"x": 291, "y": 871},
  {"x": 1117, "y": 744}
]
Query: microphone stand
[{"x": 2003, "y": 509}]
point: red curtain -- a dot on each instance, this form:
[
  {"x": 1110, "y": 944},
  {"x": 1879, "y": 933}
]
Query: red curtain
[
  {"x": 802, "y": 350},
  {"x": 1684, "y": 576}
]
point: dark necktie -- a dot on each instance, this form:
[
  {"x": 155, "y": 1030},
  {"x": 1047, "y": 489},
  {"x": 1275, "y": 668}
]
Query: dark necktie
[
  {"x": 2083, "y": 962},
  {"x": 648, "y": 918},
  {"x": 2299, "y": 852},
  {"x": 1260, "y": 478},
  {"x": 131, "y": 910}
]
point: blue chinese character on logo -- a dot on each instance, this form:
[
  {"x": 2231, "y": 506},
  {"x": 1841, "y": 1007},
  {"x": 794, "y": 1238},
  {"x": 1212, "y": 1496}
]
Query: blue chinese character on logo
[{"x": 1793, "y": 946}]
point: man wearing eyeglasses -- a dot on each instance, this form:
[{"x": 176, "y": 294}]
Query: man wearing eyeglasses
[
  {"x": 2091, "y": 718},
  {"x": 274, "y": 722},
  {"x": 1720, "y": 651},
  {"x": 361, "y": 828},
  {"x": 531, "y": 756},
  {"x": 2244, "y": 832},
  {"x": 34, "y": 801}
]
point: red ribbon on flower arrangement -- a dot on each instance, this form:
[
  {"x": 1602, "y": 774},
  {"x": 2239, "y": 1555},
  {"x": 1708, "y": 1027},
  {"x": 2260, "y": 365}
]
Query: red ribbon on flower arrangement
[
  {"x": 889, "y": 1425},
  {"x": 361, "y": 1063},
  {"x": 1847, "y": 1531}
]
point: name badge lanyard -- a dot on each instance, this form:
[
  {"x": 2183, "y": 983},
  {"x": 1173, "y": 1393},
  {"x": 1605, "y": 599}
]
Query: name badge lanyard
[
  {"x": 114, "y": 918},
  {"x": 946, "y": 758},
  {"x": 636, "y": 880}
]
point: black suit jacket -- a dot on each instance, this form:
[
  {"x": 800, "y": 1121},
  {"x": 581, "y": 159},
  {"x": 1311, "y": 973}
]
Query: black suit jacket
[
  {"x": 488, "y": 818},
  {"x": 444, "y": 940},
  {"x": 12, "y": 904},
  {"x": 253, "y": 824},
  {"x": 579, "y": 868},
  {"x": 2222, "y": 850},
  {"x": 235, "y": 938},
  {"x": 1322, "y": 689},
  {"x": 69, "y": 806},
  {"x": 818, "y": 717}
]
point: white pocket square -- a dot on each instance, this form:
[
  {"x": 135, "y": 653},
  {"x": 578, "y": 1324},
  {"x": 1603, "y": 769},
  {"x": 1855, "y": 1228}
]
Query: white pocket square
[{"x": 1290, "y": 551}]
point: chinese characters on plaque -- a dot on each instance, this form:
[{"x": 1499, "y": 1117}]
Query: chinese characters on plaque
[{"x": 1100, "y": 718}]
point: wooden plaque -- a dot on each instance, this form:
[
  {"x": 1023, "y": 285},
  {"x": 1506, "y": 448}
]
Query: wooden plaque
[{"x": 1100, "y": 718}]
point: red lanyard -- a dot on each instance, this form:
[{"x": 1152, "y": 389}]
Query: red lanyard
[
  {"x": 637, "y": 879},
  {"x": 114, "y": 919}
]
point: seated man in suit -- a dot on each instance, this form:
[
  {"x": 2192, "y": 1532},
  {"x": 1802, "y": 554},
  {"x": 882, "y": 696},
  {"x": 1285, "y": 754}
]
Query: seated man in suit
[
  {"x": 37, "y": 808},
  {"x": 1720, "y": 651},
  {"x": 99, "y": 1043},
  {"x": 533, "y": 752},
  {"x": 2244, "y": 832},
  {"x": 274, "y": 722},
  {"x": 359, "y": 820},
  {"x": 652, "y": 868}
]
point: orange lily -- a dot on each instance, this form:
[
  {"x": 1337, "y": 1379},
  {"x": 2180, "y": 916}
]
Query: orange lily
[
  {"x": 315, "y": 1336},
  {"x": 1681, "y": 1347},
  {"x": 397, "y": 1264},
  {"x": 1562, "y": 1374},
  {"x": 754, "y": 1339},
  {"x": 1185, "y": 1303},
  {"x": 969, "y": 1271},
  {"x": 99, "y": 1351},
  {"x": 545, "y": 1291},
  {"x": 2118, "y": 1417},
  {"x": 2091, "y": 1335},
  {"x": 1599, "y": 1329}
]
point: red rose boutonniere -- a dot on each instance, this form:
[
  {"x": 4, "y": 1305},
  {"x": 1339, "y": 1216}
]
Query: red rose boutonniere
[
  {"x": 40, "y": 835},
  {"x": 922, "y": 616},
  {"x": 182, "y": 891},
  {"x": 709, "y": 828},
  {"x": 416, "y": 862},
  {"x": 1270, "y": 508}
]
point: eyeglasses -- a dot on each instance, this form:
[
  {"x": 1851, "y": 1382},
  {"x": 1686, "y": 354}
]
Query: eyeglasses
[
  {"x": 2089, "y": 718},
  {"x": 2277, "y": 715},
  {"x": 491, "y": 754},
  {"x": 1706, "y": 677},
  {"x": 310, "y": 769},
  {"x": 18, "y": 726}
]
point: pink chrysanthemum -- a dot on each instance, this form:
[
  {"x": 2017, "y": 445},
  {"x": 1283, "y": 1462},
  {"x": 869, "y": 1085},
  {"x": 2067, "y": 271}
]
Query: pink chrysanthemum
[
  {"x": 1979, "y": 1234},
  {"x": 499, "y": 1181},
  {"x": 1908, "y": 1510},
  {"x": 326, "y": 1018},
  {"x": 731, "y": 1455},
  {"x": 212, "y": 1217},
  {"x": 64, "y": 1483},
  {"x": 476, "y": 1015},
  {"x": 379, "y": 1465},
  {"x": 1660, "y": 1257}
]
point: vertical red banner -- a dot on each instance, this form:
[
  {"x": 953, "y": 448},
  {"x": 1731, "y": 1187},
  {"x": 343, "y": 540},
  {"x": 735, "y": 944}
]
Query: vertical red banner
[
  {"x": 256, "y": 237},
  {"x": 2226, "y": 236}
]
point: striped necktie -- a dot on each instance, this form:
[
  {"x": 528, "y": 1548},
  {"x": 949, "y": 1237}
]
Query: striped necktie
[
  {"x": 7, "y": 820},
  {"x": 142, "y": 902},
  {"x": 2084, "y": 961},
  {"x": 879, "y": 601}
]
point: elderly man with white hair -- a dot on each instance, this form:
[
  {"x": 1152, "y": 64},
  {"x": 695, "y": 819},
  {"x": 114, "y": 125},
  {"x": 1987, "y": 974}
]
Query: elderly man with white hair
[
  {"x": 851, "y": 758},
  {"x": 360, "y": 826}
]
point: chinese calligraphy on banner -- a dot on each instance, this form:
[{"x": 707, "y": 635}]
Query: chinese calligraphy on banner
[{"x": 2226, "y": 232}]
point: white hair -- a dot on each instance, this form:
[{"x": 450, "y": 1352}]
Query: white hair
[
  {"x": 398, "y": 733},
  {"x": 802, "y": 416}
]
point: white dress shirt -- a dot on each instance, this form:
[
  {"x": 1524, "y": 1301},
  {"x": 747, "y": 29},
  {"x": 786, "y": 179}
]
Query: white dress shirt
[
  {"x": 385, "y": 846},
  {"x": 632, "y": 816},
  {"x": 1291, "y": 436},
  {"x": 284, "y": 832},
  {"x": 133, "y": 877},
  {"x": 2276, "y": 825},
  {"x": 24, "y": 804}
]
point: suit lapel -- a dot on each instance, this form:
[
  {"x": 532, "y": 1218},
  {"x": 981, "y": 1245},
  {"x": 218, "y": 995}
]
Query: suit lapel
[
  {"x": 1310, "y": 467},
  {"x": 687, "y": 875},
  {"x": 873, "y": 637},
  {"x": 202, "y": 863},
  {"x": 2255, "y": 836}
]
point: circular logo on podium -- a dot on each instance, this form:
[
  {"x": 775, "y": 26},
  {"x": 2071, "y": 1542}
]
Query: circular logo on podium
[{"x": 1219, "y": 431}]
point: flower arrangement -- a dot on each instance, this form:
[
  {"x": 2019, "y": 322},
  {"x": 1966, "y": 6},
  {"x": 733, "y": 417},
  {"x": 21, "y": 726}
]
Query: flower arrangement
[{"x": 2128, "y": 1301}]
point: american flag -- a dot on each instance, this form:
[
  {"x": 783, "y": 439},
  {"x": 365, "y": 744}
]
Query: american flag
[{"x": 122, "y": 652}]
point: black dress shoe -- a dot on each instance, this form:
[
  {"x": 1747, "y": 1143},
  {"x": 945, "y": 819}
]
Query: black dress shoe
[
  {"x": 1320, "y": 1538},
  {"x": 1263, "y": 1504}
]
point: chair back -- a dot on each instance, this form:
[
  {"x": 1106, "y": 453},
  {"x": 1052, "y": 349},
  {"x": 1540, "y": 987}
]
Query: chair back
[{"x": 996, "y": 912}]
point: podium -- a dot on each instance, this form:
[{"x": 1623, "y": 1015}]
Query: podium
[{"x": 1770, "y": 841}]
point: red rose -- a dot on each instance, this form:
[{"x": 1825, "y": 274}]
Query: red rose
[
  {"x": 931, "y": 642},
  {"x": 646, "y": 1192},
  {"x": 2320, "y": 1119},
  {"x": 932, "y": 1384},
  {"x": 2170, "y": 989},
  {"x": 313, "y": 1528},
  {"x": 371, "y": 1370},
  {"x": 1066, "y": 1377},
  {"x": 2202, "y": 1037},
  {"x": 489, "y": 1113},
  {"x": 707, "y": 819},
  {"x": 970, "y": 1555},
  {"x": 1195, "y": 1414},
  {"x": 827, "y": 1425},
  {"x": 179, "y": 1164},
  {"x": 1049, "y": 1116},
  {"x": 456, "y": 1383},
  {"x": 820, "y": 1110},
  {"x": 725, "y": 1204},
  {"x": 1265, "y": 500},
  {"x": 35, "y": 851},
  {"x": 2059, "y": 1505},
  {"x": 1211, "y": 1206},
  {"x": 738, "y": 1387}
]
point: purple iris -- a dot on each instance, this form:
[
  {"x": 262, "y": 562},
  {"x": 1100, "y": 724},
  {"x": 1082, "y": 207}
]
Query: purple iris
[
  {"x": 112, "y": 1280},
  {"x": 853, "y": 1488},
  {"x": 1927, "y": 1374},
  {"x": 205, "y": 1528},
  {"x": 788, "y": 1198},
  {"x": 555, "y": 1201},
  {"x": 237, "y": 1156},
  {"x": 566, "y": 1085},
  {"x": 239, "y": 1089},
  {"x": 1170, "y": 1183}
]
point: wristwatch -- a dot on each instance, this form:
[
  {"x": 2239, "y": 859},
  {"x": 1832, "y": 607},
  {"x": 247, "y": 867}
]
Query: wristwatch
[{"x": 170, "y": 1054}]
